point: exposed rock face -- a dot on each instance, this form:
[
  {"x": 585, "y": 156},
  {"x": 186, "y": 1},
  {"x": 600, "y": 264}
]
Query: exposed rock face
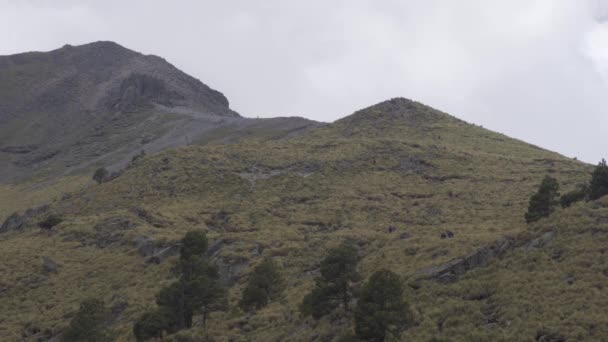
[
  {"x": 140, "y": 91},
  {"x": 163, "y": 254},
  {"x": 12, "y": 223},
  {"x": 92, "y": 102},
  {"x": 451, "y": 270},
  {"x": 17, "y": 222},
  {"x": 231, "y": 269}
]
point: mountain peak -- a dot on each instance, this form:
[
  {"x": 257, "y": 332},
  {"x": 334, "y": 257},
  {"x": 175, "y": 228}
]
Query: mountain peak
[{"x": 396, "y": 111}]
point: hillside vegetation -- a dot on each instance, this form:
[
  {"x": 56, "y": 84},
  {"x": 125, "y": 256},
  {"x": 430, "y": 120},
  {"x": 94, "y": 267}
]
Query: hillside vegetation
[{"x": 411, "y": 187}]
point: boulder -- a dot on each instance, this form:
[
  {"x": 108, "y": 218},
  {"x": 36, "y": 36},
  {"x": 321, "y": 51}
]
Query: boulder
[
  {"x": 163, "y": 254},
  {"x": 12, "y": 223},
  {"x": 49, "y": 265}
]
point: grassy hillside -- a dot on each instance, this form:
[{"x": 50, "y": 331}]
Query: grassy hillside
[{"x": 396, "y": 164}]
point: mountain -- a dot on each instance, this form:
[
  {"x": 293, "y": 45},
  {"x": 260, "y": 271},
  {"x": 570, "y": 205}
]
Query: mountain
[
  {"x": 439, "y": 201},
  {"x": 70, "y": 110}
]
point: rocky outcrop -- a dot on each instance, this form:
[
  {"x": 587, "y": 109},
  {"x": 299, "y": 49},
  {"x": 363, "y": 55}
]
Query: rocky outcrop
[
  {"x": 12, "y": 223},
  {"x": 16, "y": 222},
  {"x": 451, "y": 270},
  {"x": 163, "y": 254},
  {"x": 455, "y": 268}
]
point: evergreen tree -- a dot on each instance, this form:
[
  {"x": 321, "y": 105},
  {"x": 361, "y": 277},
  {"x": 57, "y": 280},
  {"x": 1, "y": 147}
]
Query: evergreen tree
[
  {"x": 543, "y": 202},
  {"x": 198, "y": 290},
  {"x": 334, "y": 287},
  {"x": 381, "y": 311},
  {"x": 89, "y": 324},
  {"x": 598, "y": 186},
  {"x": 194, "y": 243},
  {"x": 150, "y": 325},
  {"x": 264, "y": 283}
]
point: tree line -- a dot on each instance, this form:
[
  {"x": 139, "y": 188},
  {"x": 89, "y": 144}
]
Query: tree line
[{"x": 547, "y": 197}]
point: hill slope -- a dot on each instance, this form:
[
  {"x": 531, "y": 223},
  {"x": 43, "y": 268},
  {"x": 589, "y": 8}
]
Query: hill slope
[
  {"x": 397, "y": 164},
  {"x": 67, "y": 111}
]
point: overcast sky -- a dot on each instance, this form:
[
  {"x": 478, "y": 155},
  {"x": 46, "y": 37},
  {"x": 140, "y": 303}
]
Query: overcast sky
[{"x": 532, "y": 69}]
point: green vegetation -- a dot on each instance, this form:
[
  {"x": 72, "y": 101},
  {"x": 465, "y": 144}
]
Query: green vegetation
[
  {"x": 334, "y": 287},
  {"x": 197, "y": 291},
  {"x": 264, "y": 284},
  {"x": 574, "y": 196},
  {"x": 90, "y": 323},
  {"x": 543, "y": 202},
  {"x": 598, "y": 186},
  {"x": 295, "y": 200},
  {"x": 381, "y": 311}
]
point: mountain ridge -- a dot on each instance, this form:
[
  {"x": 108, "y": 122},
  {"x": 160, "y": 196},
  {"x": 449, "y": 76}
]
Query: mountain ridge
[{"x": 79, "y": 107}]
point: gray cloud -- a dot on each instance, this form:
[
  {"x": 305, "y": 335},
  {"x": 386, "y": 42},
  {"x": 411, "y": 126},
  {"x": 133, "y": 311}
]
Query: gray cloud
[{"x": 533, "y": 69}]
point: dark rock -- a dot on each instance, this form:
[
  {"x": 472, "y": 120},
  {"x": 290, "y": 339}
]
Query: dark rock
[
  {"x": 231, "y": 269},
  {"x": 391, "y": 229},
  {"x": 405, "y": 236},
  {"x": 449, "y": 234},
  {"x": 145, "y": 246},
  {"x": 148, "y": 218},
  {"x": 163, "y": 254},
  {"x": 114, "y": 224},
  {"x": 119, "y": 307},
  {"x": 540, "y": 241},
  {"x": 12, "y": 223},
  {"x": 451, "y": 270},
  {"x": 570, "y": 279},
  {"x": 49, "y": 265},
  {"x": 443, "y": 235}
]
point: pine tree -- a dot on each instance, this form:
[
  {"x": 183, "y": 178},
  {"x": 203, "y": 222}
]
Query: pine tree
[
  {"x": 598, "y": 186},
  {"x": 264, "y": 284},
  {"x": 381, "y": 311},
  {"x": 334, "y": 287},
  {"x": 198, "y": 290},
  {"x": 89, "y": 324},
  {"x": 543, "y": 202}
]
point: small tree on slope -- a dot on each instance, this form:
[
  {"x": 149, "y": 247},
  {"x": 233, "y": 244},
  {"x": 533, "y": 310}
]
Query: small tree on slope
[
  {"x": 543, "y": 202},
  {"x": 598, "y": 186}
]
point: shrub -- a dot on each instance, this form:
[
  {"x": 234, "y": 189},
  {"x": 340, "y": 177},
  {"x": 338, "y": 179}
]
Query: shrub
[
  {"x": 50, "y": 221},
  {"x": 89, "y": 324},
  {"x": 381, "y": 311},
  {"x": 574, "y": 196},
  {"x": 138, "y": 156},
  {"x": 264, "y": 283},
  {"x": 150, "y": 325},
  {"x": 334, "y": 287},
  {"x": 598, "y": 186},
  {"x": 101, "y": 175},
  {"x": 543, "y": 202}
]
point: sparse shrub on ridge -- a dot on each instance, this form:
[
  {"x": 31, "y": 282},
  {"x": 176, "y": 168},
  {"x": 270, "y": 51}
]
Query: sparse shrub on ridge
[
  {"x": 543, "y": 202},
  {"x": 101, "y": 175},
  {"x": 598, "y": 186}
]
